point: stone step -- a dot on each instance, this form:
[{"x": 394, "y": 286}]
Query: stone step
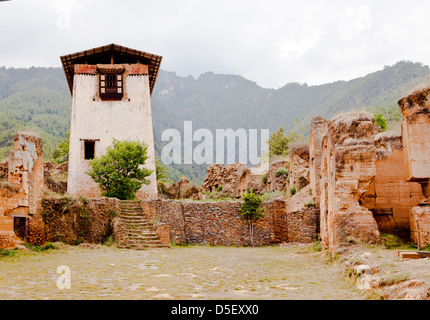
[
  {"x": 143, "y": 237},
  {"x": 143, "y": 242},
  {"x": 148, "y": 246},
  {"x": 133, "y": 218},
  {"x": 127, "y": 210},
  {"x": 140, "y": 231},
  {"x": 136, "y": 223}
]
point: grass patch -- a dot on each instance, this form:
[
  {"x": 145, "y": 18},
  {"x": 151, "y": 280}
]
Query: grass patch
[
  {"x": 8, "y": 253},
  {"x": 272, "y": 194},
  {"x": 281, "y": 171},
  {"x": 293, "y": 190},
  {"x": 390, "y": 241},
  {"x": 394, "y": 278},
  {"x": 38, "y": 248},
  {"x": 315, "y": 247}
]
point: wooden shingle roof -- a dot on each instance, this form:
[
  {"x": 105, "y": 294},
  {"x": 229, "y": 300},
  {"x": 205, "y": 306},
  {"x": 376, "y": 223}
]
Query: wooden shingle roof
[{"x": 104, "y": 54}]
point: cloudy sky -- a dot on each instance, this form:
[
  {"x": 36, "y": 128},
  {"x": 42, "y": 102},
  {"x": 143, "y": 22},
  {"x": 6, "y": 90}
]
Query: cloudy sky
[{"x": 271, "y": 42}]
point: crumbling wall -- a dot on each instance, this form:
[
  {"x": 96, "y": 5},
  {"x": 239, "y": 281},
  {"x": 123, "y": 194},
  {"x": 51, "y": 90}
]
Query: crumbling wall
[
  {"x": 348, "y": 169},
  {"x": 316, "y": 135},
  {"x": 274, "y": 180},
  {"x": 299, "y": 166},
  {"x": 21, "y": 195},
  {"x": 415, "y": 109},
  {"x": 55, "y": 177},
  {"x": 182, "y": 189},
  {"x": 302, "y": 217},
  {"x": 232, "y": 178},
  {"x": 391, "y": 197},
  {"x": 75, "y": 220}
]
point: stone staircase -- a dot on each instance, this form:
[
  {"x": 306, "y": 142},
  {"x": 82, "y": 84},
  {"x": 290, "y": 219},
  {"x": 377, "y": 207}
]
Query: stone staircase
[{"x": 141, "y": 232}]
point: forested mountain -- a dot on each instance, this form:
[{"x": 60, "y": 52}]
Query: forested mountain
[{"x": 38, "y": 100}]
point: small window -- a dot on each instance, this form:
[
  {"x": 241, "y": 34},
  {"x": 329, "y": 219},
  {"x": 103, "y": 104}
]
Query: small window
[
  {"x": 89, "y": 149},
  {"x": 111, "y": 86}
]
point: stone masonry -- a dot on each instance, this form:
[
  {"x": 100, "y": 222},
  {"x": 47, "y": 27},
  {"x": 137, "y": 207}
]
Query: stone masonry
[
  {"x": 416, "y": 132},
  {"x": 21, "y": 195}
]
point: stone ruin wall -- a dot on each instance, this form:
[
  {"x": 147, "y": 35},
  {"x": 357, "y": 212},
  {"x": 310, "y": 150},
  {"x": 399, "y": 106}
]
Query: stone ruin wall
[
  {"x": 221, "y": 223},
  {"x": 415, "y": 133},
  {"x": 21, "y": 194},
  {"x": 299, "y": 175},
  {"x": 391, "y": 196},
  {"x": 348, "y": 168},
  {"x": 365, "y": 182}
]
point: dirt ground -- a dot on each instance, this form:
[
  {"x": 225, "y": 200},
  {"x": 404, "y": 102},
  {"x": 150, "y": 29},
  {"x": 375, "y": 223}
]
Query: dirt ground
[{"x": 195, "y": 272}]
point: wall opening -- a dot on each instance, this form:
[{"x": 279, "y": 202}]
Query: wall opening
[{"x": 89, "y": 149}]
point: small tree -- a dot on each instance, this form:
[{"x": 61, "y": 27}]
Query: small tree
[
  {"x": 121, "y": 172},
  {"x": 279, "y": 142},
  {"x": 381, "y": 121},
  {"x": 61, "y": 153},
  {"x": 252, "y": 211},
  {"x": 161, "y": 172}
]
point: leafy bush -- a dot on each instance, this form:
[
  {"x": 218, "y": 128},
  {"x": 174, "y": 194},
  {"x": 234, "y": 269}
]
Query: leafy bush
[
  {"x": 120, "y": 173},
  {"x": 390, "y": 240},
  {"x": 7, "y": 253},
  {"x": 38, "y": 248},
  {"x": 293, "y": 191},
  {"x": 315, "y": 247},
  {"x": 281, "y": 171},
  {"x": 381, "y": 121},
  {"x": 264, "y": 178}
]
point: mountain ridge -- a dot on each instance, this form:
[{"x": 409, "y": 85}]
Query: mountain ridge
[{"x": 37, "y": 99}]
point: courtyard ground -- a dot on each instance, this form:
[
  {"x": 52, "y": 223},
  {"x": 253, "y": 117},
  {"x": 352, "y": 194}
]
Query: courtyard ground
[{"x": 194, "y": 272}]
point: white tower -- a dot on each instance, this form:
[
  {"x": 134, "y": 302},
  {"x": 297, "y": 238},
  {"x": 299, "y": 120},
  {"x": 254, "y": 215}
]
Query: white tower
[{"x": 111, "y": 88}]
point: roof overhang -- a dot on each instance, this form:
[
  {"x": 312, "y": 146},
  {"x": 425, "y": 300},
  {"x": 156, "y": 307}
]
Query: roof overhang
[{"x": 109, "y": 54}]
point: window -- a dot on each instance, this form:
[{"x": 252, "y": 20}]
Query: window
[
  {"x": 89, "y": 149},
  {"x": 111, "y": 86}
]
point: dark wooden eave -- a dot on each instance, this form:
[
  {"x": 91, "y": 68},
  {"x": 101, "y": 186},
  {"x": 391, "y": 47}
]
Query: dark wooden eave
[{"x": 108, "y": 54}]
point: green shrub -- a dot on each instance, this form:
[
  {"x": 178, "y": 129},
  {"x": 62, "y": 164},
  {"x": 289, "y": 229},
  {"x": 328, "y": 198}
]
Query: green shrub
[
  {"x": 38, "y": 248},
  {"x": 293, "y": 191},
  {"x": 426, "y": 248},
  {"x": 390, "y": 240},
  {"x": 7, "y": 253},
  {"x": 281, "y": 171},
  {"x": 120, "y": 173},
  {"x": 264, "y": 178},
  {"x": 315, "y": 247},
  {"x": 381, "y": 121},
  {"x": 219, "y": 188}
]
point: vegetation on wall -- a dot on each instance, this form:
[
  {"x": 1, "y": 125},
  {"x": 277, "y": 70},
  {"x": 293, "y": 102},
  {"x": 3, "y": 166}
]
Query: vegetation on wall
[{"x": 120, "y": 173}]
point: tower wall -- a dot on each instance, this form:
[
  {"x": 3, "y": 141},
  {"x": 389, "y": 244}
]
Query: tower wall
[{"x": 105, "y": 120}]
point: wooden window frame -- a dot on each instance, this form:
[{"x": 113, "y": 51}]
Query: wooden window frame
[{"x": 111, "y": 85}]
